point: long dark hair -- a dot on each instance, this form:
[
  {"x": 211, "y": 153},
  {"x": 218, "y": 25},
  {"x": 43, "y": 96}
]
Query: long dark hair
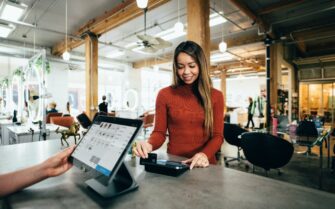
[{"x": 203, "y": 84}]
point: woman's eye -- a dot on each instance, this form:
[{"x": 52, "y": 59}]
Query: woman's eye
[{"x": 192, "y": 66}]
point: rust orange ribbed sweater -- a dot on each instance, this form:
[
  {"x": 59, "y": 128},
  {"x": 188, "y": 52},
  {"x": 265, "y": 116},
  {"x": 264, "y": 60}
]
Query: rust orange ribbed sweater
[{"x": 179, "y": 112}]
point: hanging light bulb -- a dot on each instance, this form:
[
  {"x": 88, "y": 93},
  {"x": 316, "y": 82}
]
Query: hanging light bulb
[
  {"x": 223, "y": 46},
  {"x": 66, "y": 55},
  {"x": 179, "y": 26},
  {"x": 142, "y": 3}
]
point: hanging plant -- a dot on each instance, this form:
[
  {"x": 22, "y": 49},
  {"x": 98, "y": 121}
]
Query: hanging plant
[
  {"x": 5, "y": 81},
  {"x": 38, "y": 64},
  {"x": 19, "y": 72}
]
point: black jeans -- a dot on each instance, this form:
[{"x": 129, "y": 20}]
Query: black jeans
[{"x": 250, "y": 119}]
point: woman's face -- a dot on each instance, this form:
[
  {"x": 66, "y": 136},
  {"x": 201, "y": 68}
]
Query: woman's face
[{"x": 187, "y": 68}]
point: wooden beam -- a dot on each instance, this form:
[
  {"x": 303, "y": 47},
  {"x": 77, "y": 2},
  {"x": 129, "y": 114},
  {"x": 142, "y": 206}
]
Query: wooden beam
[
  {"x": 239, "y": 41},
  {"x": 150, "y": 62},
  {"x": 247, "y": 11},
  {"x": 124, "y": 12},
  {"x": 231, "y": 65},
  {"x": 301, "y": 45},
  {"x": 278, "y": 6},
  {"x": 231, "y": 42},
  {"x": 198, "y": 24},
  {"x": 91, "y": 48}
]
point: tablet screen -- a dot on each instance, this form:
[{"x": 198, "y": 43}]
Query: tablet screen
[{"x": 103, "y": 145}]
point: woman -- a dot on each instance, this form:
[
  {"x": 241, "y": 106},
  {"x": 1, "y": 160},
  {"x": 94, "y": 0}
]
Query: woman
[
  {"x": 191, "y": 110},
  {"x": 251, "y": 111},
  {"x": 54, "y": 166}
]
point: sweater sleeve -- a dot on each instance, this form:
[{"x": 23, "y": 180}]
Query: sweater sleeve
[
  {"x": 214, "y": 143},
  {"x": 158, "y": 135}
]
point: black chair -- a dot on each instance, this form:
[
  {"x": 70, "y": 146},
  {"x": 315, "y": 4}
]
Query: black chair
[
  {"x": 84, "y": 120},
  {"x": 307, "y": 134},
  {"x": 266, "y": 151},
  {"x": 231, "y": 134}
]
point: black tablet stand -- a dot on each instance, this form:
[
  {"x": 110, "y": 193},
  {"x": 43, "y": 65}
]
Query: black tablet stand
[{"x": 121, "y": 183}]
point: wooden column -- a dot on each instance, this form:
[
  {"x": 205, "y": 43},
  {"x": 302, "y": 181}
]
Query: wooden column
[
  {"x": 275, "y": 74},
  {"x": 91, "y": 55},
  {"x": 224, "y": 88},
  {"x": 198, "y": 24}
]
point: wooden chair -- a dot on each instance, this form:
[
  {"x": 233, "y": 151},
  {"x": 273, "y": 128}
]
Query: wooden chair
[
  {"x": 53, "y": 114},
  {"x": 148, "y": 121}
]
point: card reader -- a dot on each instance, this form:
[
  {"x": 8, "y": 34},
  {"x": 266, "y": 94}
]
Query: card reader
[{"x": 166, "y": 167}]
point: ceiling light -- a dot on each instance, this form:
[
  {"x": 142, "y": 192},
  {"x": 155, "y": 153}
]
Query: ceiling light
[
  {"x": 66, "y": 56},
  {"x": 142, "y": 3},
  {"x": 11, "y": 10},
  {"x": 223, "y": 47},
  {"x": 178, "y": 28},
  {"x": 5, "y": 30}
]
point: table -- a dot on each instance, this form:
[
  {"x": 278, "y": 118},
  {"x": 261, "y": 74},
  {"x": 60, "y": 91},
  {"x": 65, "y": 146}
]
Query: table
[
  {"x": 28, "y": 133},
  {"x": 4, "y": 133},
  {"x": 212, "y": 187}
]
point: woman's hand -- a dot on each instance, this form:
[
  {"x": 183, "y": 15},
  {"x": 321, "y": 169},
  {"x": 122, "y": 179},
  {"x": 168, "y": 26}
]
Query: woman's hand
[
  {"x": 142, "y": 148},
  {"x": 59, "y": 163},
  {"x": 199, "y": 160}
]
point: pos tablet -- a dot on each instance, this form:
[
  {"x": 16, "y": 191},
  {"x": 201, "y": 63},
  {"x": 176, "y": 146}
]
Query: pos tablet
[{"x": 103, "y": 149}]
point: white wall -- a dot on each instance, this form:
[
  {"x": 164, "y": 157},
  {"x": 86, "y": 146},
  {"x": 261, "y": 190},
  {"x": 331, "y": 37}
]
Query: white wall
[
  {"x": 10, "y": 64},
  {"x": 58, "y": 84},
  {"x": 239, "y": 89}
]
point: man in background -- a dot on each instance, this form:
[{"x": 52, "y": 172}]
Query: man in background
[{"x": 103, "y": 105}]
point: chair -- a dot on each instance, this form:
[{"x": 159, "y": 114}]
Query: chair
[
  {"x": 112, "y": 114},
  {"x": 282, "y": 122},
  {"x": 307, "y": 134},
  {"x": 266, "y": 151},
  {"x": 148, "y": 121},
  {"x": 231, "y": 134},
  {"x": 84, "y": 120},
  {"x": 53, "y": 114},
  {"x": 66, "y": 121},
  {"x": 99, "y": 113}
]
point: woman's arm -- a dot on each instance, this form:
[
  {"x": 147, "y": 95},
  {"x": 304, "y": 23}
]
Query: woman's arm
[
  {"x": 158, "y": 135},
  {"x": 53, "y": 166}
]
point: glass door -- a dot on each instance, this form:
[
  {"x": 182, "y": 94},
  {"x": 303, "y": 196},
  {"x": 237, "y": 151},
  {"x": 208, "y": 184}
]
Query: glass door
[{"x": 317, "y": 101}]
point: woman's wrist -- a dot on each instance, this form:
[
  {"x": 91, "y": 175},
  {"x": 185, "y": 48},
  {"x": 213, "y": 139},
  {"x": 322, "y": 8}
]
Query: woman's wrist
[{"x": 149, "y": 146}]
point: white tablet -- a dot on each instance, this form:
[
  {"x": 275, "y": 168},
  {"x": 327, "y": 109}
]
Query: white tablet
[{"x": 105, "y": 144}]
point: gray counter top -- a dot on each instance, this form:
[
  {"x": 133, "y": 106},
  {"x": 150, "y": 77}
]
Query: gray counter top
[{"x": 212, "y": 187}]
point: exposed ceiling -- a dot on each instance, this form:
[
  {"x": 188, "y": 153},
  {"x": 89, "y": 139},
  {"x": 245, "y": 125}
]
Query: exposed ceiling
[
  {"x": 49, "y": 17},
  {"x": 305, "y": 26}
]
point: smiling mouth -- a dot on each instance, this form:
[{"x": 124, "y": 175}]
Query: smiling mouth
[{"x": 187, "y": 78}]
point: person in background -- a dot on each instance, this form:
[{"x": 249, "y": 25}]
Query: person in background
[
  {"x": 54, "y": 166},
  {"x": 251, "y": 111},
  {"x": 52, "y": 107},
  {"x": 191, "y": 110},
  {"x": 68, "y": 110},
  {"x": 103, "y": 106}
]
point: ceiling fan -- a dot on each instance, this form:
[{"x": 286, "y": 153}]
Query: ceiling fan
[{"x": 151, "y": 44}]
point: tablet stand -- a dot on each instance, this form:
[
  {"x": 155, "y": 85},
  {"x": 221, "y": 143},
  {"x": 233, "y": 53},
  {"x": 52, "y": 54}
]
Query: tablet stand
[{"x": 121, "y": 183}]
